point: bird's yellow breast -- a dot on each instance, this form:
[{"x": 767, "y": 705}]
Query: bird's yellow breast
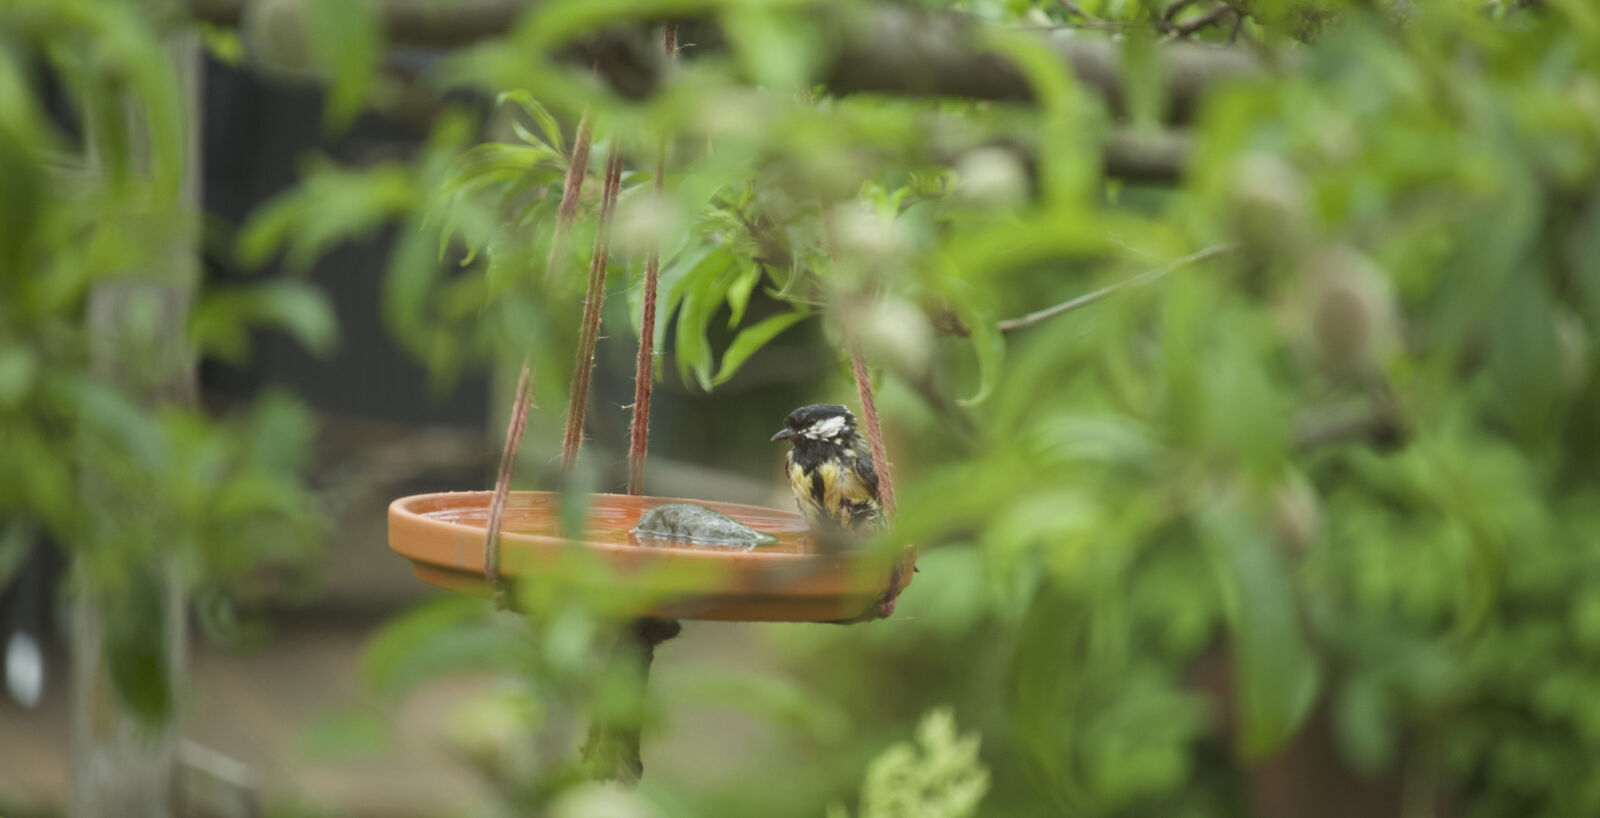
[{"x": 828, "y": 493}]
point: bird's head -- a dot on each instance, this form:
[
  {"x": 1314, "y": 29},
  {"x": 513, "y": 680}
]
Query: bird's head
[{"x": 819, "y": 422}]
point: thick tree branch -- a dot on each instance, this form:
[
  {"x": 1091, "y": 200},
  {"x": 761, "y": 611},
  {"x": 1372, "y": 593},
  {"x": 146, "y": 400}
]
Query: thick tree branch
[
  {"x": 1210, "y": 18},
  {"x": 897, "y": 51},
  {"x": 1156, "y": 157},
  {"x": 886, "y": 50},
  {"x": 406, "y": 22}
]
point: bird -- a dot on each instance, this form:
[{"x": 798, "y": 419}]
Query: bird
[{"x": 830, "y": 470}]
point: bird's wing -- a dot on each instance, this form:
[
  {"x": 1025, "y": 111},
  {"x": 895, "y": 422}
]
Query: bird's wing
[{"x": 852, "y": 496}]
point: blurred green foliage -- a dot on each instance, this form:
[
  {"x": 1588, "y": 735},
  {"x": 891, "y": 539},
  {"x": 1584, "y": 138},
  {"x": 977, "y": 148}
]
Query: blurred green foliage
[
  {"x": 1324, "y": 456},
  {"x": 1338, "y": 466},
  {"x": 104, "y": 448}
]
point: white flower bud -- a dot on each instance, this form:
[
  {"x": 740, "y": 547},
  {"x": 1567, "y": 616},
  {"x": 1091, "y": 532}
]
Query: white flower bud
[
  {"x": 602, "y": 801},
  {"x": 991, "y": 177},
  {"x": 894, "y": 333},
  {"x": 645, "y": 221},
  {"x": 277, "y": 38},
  {"x": 1266, "y": 202},
  {"x": 1354, "y": 322}
]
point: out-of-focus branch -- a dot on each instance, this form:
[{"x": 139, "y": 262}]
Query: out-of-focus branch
[
  {"x": 1381, "y": 427},
  {"x": 898, "y": 51},
  {"x": 1158, "y": 157},
  {"x": 408, "y": 22},
  {"x": 948, "y": 325},
  {"x": 887, "y": 50},
  {"x": 1075, "y": 9},
  {"x": 1171, "y": 11},
  {"x": 1210, "y": 18}
]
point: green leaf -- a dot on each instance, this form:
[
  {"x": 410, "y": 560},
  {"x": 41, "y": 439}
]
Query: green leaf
[
  {"x": 776, "y": 47},
  {"x": 990, "y": 347},
  {"x": 938, "y": 777},
  {"x": 331, "y": 205},
  {"x": 352, "y": 732},
  {"x": 1584, "y": 255},
  {"x": 135, "y": 649},
  {"x": 16, "y": 541},
  {"x": 783, "y": 701},
  {"x": 674, "y": 274},
  {"x": 1363, "y": 720},
  {"x": 22, "y": 202},
  {"x": 107, "y": 123},
  {"x": 700, "y": 300},
  {"x": 750, "y": 340},
  {"x": 221, "y": 322},
  {"x": 347, "y": 38},
  {"x": 18, "y": 369},
  {"x": 1525, "y": 359},
  {"x": 697, "y": 291},
  {"x": 449, "y": 634},
  {"x": 110, "y": 417},
  {"x": 1275, "y": 673},
  {"x": 739, "y": 293},
  {"x": 541, "y": 115},
  {"x": 223, "y": 44}
]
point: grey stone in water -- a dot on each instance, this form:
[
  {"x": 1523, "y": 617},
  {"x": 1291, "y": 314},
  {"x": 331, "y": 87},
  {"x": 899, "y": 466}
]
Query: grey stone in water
[{"x": 691, "y": 523}]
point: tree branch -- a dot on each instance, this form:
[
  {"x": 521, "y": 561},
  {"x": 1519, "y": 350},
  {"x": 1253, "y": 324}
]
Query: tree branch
[
  {"x": 948, "y": 324},
  {"x": 1381, "y": 426},
  {"x": 1212, "y": 17},
  {"x": 897, "y": 51},
  {"x": 886, "y": 50},
  {"x": 1156, "y": 157}
]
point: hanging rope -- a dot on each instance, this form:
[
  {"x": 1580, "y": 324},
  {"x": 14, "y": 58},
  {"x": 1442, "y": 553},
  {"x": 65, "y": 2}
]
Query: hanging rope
[
  {"x": 874, "y": 429},
  {"x": 612, "y": 750},
  {"x": 869, "y": 419},
  {"x": 589, "y": 330},
  {"x": 880, "y": 464},
  {"x": 502, "y": 485},
  {"x": 644, "y": 364},
  {"x": 572, "y": 188}
]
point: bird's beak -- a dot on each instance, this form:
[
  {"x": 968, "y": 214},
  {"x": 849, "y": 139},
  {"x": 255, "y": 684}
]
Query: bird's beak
[{"x": 783, "y": 434}]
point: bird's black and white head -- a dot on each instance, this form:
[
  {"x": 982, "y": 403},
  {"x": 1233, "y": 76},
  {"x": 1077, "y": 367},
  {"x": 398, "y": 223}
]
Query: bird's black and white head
[{"x": 819, "y": 423}]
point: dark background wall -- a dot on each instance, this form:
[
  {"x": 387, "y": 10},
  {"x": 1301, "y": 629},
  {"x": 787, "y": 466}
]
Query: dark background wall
[{"x": 256, "y": 133}]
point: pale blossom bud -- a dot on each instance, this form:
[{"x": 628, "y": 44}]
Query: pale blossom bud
[{"x": 991, "y": 177}]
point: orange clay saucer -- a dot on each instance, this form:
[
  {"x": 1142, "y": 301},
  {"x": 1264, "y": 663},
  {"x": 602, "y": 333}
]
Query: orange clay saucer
[{"x": 787, "y": 581}]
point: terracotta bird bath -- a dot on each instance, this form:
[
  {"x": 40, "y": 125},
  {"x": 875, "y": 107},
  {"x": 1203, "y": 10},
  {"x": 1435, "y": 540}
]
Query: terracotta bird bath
[{"x": 791, "y": 580}]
